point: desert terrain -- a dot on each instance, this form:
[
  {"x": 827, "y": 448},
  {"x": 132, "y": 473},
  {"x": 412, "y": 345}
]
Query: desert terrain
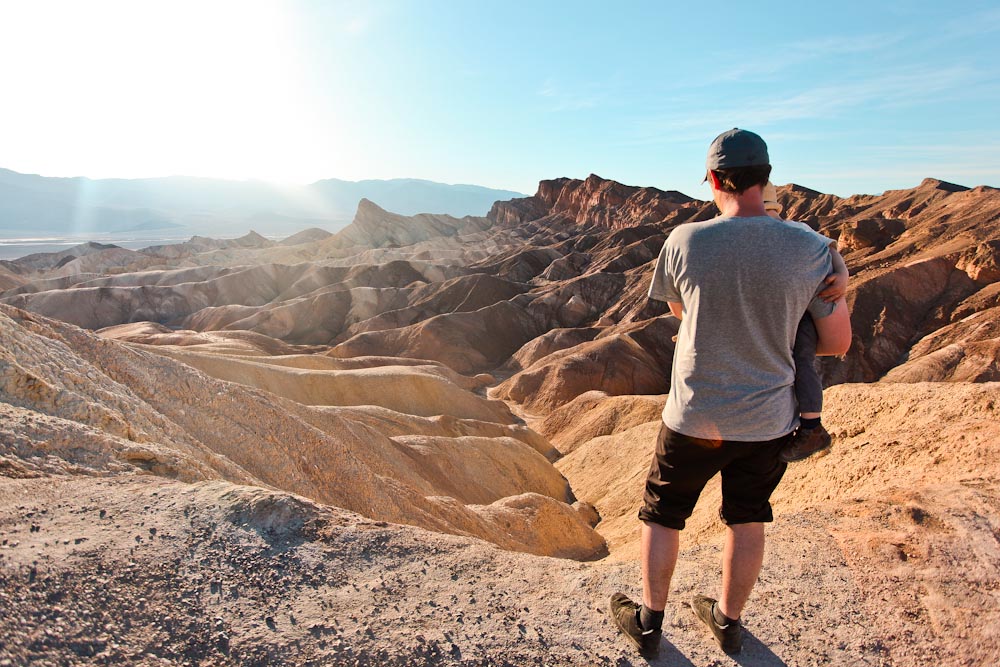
[{"x": 422, "y": 440}]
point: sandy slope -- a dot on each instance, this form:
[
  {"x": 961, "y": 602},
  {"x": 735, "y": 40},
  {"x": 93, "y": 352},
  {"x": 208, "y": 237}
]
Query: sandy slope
[{"x": 883, "y": 553}]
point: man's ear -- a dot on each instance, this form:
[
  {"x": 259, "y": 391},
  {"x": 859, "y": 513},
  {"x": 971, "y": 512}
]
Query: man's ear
[{"x": 713, "y": 179}]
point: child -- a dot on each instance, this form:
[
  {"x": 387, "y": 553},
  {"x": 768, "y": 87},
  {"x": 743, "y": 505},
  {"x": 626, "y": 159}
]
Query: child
[{"x": 811, "y": 437}]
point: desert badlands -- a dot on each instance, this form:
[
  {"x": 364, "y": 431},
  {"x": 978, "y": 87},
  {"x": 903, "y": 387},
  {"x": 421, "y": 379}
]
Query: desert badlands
[{"x": 422, "y": 441}]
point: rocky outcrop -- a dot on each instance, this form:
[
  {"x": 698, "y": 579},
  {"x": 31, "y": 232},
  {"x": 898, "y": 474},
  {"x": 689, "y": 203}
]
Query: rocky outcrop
[
  {"x": 614, "y": 364},
  {"x": 548, "y": 343},
  {"x": 966, "y": 351},
  {"x": 868, "y": 233},
  {"x": 594, "y": 414},
  {"x": 593, "y": 202},
  {"x": 458, "y": 295},
  {"x": 892, "y": 310},
  {"x": 982, "y": 263}
]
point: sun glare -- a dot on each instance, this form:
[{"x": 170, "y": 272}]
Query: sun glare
[{"x": 142, "y": 89}]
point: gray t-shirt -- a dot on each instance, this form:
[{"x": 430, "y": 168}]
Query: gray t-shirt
[{"x": 744, "y": 284}]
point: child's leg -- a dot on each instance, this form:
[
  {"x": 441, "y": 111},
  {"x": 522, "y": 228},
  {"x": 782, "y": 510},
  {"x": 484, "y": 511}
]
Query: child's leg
[
  {"x": 808, "y": 387},
  {"x": 811, "y": 438}
]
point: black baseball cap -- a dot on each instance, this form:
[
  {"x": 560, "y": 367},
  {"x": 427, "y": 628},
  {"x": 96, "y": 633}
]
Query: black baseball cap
[{"x": 737, "y": 148}]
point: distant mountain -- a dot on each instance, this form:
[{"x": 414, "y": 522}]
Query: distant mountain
[
  {"x": 39, "y": 205},
  {"x": 410, "y": 196}
]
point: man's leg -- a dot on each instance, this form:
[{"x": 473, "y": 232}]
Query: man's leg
[
  {"x": 742, "y": 557},
  {"x": 680, "y": 468},
  {"x": 747, "y": 484},
  {"x": 659, "y": 556}
]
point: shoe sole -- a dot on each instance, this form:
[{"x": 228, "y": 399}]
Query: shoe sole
[{"x": 819, "y": 453}]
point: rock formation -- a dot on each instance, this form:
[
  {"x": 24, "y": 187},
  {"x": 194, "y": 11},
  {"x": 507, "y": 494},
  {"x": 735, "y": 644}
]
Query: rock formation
[
  {"x": 411, "y": 439},
  {"x": 148, "y": 412},
  {"x": 593, "y": 202}
]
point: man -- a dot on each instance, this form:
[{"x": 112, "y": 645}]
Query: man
[{"x": 739, "y": 283}]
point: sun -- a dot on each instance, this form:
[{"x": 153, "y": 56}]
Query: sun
[{"x": 128, "y": 89}]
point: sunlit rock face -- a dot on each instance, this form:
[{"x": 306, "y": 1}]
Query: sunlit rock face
[
  {"x": 78, "y": 403},
  {"x": 593, "y": 202}
]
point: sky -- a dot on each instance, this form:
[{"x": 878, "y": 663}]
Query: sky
[{"x": 851, "y": 97}]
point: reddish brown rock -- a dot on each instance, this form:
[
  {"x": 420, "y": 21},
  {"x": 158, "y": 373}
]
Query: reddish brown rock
[
  {"x": 965, "y": 351},
  {"x": 869, "y": 233},
  {"x": 594, "y": 202},
  {"x": 982, "y": 263},
  {"x": 890, "y": 311}
]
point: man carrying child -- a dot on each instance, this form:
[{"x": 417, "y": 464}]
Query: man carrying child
[{"x": 740, "y": 283}]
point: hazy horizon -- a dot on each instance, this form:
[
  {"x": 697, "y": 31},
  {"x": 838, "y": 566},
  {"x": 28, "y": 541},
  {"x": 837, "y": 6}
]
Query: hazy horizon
[{"x": 82, "y": 208}]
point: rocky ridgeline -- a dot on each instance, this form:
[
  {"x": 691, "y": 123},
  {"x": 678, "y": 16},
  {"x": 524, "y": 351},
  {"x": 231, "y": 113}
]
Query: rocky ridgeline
[{"x": 596, "y": 203}]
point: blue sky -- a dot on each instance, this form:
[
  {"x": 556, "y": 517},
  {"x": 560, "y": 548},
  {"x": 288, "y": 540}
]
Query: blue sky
[{"x": 852, "y": 97}]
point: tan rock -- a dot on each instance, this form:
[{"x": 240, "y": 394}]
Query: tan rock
[
  {"x": 615, "y": 365},
  {"x": 466, "y": 342},
  {"x": 119, "y": 396},
  {"x": 593, "y": 414}
]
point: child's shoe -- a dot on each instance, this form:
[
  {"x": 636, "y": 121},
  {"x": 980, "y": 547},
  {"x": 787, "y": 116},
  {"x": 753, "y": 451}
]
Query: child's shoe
[{"x": 805, "y": 443}]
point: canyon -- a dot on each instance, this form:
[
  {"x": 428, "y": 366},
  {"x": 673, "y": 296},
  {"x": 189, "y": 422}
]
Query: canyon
[{"x": 423, "y": 439}]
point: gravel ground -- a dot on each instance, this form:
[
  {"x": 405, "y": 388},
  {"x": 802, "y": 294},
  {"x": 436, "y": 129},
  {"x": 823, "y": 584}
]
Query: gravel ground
[{"x": 142, "y": 570}]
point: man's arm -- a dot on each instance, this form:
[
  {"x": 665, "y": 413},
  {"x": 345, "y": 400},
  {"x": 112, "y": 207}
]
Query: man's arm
[
  {"x": 834, "y": 331},
  {"x": 676, "y": 309}
]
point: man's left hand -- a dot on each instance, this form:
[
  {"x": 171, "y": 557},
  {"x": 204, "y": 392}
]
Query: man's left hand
[{"x": 836, "y": 287}]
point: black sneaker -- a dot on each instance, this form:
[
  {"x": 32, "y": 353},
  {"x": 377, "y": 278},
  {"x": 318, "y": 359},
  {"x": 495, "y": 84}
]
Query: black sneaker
[
  {"x": 625, "y": 616},
  {"x": 805, "y": 443},
  {"x": 730, "y": 636}
]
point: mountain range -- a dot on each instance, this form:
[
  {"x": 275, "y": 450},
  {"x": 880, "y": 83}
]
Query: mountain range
[{"x": 32, "y": 205}]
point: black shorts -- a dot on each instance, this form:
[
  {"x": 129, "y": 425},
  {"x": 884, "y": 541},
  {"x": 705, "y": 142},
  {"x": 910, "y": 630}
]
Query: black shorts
[{"x": 683, "y": 465}]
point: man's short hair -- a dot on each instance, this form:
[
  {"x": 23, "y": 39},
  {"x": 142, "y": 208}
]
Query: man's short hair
[{"x": 738, "y": 180}]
